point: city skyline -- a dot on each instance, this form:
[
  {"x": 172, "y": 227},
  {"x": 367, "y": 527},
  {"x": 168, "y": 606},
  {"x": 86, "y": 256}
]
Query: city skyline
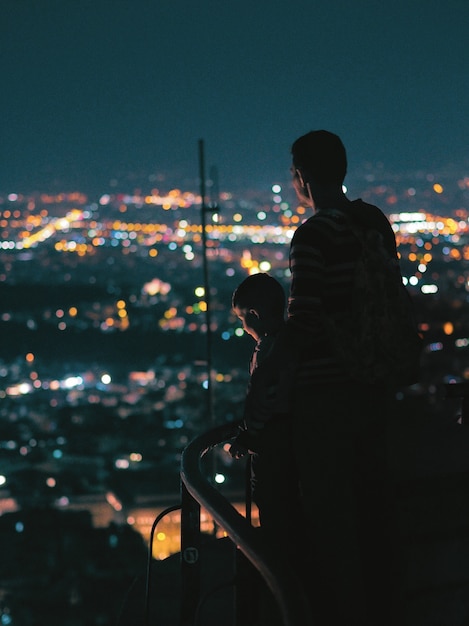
[{"x": 104, "y": 370}]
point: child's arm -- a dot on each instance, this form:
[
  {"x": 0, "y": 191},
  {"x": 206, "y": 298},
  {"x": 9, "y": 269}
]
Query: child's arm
[{"x": 271, "y": 383}]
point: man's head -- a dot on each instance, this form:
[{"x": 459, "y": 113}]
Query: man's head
[
  {"x": 319, "y": 158},
  {"x": 259, "y": 302}
]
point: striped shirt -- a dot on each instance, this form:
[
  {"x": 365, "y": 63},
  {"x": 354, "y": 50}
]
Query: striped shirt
[{"x": 323, "y": 255}]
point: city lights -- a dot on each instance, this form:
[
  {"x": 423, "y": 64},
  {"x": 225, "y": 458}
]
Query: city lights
[{"x": 112, "y": 395}]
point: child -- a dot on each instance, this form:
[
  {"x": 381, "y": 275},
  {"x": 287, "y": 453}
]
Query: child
[{"x": 259, "y": 302}]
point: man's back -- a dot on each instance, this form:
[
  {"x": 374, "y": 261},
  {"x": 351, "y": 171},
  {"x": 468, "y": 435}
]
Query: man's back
[{"x": 323, "y": 255}]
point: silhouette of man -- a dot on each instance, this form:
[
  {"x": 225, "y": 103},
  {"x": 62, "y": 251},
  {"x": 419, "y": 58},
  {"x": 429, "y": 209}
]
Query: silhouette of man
[{"x": 338, "y": 424}]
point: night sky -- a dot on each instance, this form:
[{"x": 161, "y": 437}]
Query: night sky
[{"x": 93, "y": 90}]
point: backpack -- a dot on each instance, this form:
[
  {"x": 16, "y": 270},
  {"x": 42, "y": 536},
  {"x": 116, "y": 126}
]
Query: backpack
[{"x": 377, "y": 338}]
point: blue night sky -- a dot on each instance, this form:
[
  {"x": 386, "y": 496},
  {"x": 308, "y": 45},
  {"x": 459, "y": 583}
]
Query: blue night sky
[{"x": 93, "y": 89}]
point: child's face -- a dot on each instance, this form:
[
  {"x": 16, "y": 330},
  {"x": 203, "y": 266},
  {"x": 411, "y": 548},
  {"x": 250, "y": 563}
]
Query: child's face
[{"x": 251, "y": 322}]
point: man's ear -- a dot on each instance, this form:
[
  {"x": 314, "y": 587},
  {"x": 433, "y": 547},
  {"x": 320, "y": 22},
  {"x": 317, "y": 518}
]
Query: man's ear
[
  {"x": 301, "y": 178},
  {"x": 253, "y": 313},
  {"x": 305, "y": 183}
]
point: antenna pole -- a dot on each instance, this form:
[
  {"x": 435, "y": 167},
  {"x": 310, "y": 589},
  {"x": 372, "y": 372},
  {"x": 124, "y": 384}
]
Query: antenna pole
[{"x": 204, "y": 209}]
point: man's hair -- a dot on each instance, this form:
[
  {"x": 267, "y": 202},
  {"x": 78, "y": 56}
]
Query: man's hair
[
  {"x": 321, "y": 157},
  {"x": 260, "y": 292}
]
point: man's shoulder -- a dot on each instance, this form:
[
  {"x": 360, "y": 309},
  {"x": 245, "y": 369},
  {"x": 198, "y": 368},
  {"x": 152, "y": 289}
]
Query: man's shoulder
[
  {"x": 320, "y": 220},
  {"x": 322, "y": 230},
  {"x": 369, "y": 217},
  {"x": 366, "y": 213}
]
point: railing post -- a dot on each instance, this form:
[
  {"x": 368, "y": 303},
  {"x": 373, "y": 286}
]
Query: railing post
[
  {"x": 460, "y": 390},
  {"x": 190, "y": 557}
]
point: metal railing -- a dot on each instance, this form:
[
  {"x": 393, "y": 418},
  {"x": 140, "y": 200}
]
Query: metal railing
[{"x": 197, "y": 492}]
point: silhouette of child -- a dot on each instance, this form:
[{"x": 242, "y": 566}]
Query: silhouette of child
[{"x": 259, "y": 302}]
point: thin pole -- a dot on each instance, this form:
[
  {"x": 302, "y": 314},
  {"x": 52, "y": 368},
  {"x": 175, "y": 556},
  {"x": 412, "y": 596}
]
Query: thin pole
[{"x": 204, "y": 210}]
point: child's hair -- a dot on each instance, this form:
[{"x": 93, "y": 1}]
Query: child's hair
[{"x": 261, "y": 292}]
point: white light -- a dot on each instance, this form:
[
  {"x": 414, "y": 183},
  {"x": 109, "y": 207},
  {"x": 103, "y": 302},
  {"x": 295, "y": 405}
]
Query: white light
[
  {"x": 219, "y": 478},
  {"x": 429, "y": 288},
  {"x": 411, "y": 217},
  {"x": 20, "y": 389},
  {"x": 72, "y": 381}
]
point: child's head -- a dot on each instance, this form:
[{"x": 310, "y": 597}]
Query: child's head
[{"x": 259, "y": 302}]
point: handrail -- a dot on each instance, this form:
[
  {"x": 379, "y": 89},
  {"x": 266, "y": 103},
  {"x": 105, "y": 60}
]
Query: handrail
[{"x": 283, "y": 581}]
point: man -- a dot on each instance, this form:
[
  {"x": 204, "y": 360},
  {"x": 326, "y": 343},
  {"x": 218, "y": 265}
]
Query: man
[{"x": 338, "y": 424}]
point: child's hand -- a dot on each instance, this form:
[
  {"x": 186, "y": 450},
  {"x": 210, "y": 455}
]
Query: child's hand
[
  {"x": 244, "y": 443},
  {"x": 238, "y": 449}
]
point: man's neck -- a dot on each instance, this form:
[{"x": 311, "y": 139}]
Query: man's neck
[{"x": 330, "y": 199}]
